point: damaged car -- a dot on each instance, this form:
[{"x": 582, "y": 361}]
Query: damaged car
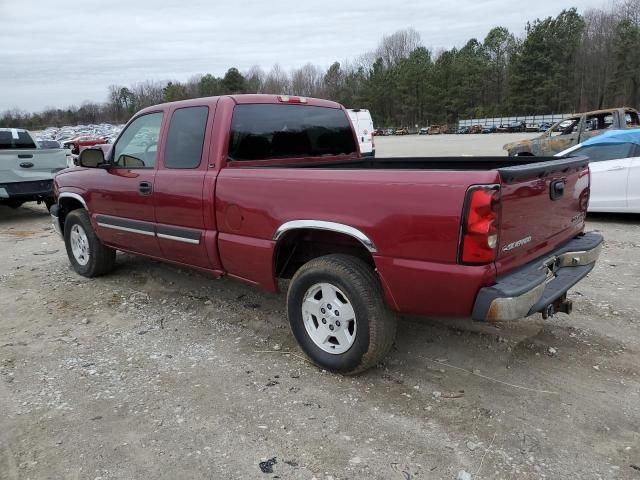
[{"x": 574, "y": 130}]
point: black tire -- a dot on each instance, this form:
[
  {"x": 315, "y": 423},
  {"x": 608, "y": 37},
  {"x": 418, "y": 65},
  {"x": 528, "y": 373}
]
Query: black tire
[
  {"x": 102, "y": 259},
  {"x": 376, "y": 325}
]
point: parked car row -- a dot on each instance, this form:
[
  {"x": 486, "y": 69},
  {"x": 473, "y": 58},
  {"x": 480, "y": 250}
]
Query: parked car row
[
  {"x": 385, "y": 132},
  {"x": 75, "y": 138},
  {"x": 432, "y": 130},
  {"x": 513, "y": 127}
]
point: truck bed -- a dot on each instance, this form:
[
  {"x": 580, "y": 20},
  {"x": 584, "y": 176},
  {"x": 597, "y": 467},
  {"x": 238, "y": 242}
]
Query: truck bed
[
  {"x": 510, "y": 168},
  {"x": 412, "y": 208}
]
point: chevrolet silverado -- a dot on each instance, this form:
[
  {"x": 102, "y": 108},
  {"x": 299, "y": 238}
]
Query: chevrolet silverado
[{"x": 262, "y": 187}]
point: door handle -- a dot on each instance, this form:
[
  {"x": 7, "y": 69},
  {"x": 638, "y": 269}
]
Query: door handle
[
  {"x": 613, "y": 169},
  {"x": 25, "y": 155},
  {"x": 145, "y": 188}
]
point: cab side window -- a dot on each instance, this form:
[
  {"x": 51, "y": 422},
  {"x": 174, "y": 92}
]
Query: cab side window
[
  {"x": 186, "y": 138},
  {"x": 601, "y": 121},
  {"x": 137, "y": 147}
]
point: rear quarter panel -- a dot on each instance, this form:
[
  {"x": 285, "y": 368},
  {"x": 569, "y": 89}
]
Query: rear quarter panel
[{"x": 413, "y": 218}]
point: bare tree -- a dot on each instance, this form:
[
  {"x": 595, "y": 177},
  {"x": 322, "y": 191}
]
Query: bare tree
[
  {"x": 307, "y": 81},
  {"x": 629, "y": 10},
  {"x": 147, "y": 93},
  {"x": 254, "y": 79},
  {"x": 397, "y": 46},
  {"x": 276, "y": 81},
  {"x": 595, "y": 59}
]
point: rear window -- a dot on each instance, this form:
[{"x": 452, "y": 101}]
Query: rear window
[
  {"x": 263, "y": 131},
  {"x": 48, "y": 144},
  {"x": 15, "y": 140},
  {"x": 605, "y": 151},
  {"x": 632, "y": 119}
]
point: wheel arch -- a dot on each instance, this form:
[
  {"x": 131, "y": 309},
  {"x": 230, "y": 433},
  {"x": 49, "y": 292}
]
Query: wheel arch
[
  {"x": 299, "y": 241},
  {"x": 67, "y": 202}
]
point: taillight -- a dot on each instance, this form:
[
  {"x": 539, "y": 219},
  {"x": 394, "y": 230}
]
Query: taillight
[
  {"x": 479, "y": 235},
  {"x": 288, "y": 99}
]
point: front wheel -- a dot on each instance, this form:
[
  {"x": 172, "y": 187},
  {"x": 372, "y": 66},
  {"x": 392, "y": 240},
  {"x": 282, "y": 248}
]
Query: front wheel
[
  {"x": 87, "y": 254},
  {"x": 338, "y": 315}
]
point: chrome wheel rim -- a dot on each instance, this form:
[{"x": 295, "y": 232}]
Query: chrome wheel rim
[
  {"x": 79, "y": 244},
  {"x": 329, "y": 318}
]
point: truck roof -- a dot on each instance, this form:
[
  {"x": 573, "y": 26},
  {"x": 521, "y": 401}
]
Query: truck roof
[
  {"x": 244, "y": 99},
  {"x": 604, "y": 110},
  {"x": 5, "y": 129}
]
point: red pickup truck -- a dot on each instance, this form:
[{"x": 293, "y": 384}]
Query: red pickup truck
[{"x": 264, "y": 187}]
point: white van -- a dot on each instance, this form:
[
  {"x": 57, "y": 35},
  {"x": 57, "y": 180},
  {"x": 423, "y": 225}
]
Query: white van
[{"x": 363, "y": 125}]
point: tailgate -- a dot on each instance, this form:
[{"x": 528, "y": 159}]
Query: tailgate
[
  {"x": 543, "y": 205},
  {"x": 30, "y": 164}
]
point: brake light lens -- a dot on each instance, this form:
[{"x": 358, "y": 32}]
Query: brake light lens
[
  {"x": 479, "y": 236},
  {"x": 288, "y": 99}
]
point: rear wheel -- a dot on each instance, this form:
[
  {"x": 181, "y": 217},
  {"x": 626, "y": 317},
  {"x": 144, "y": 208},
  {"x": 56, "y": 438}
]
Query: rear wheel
[
  {"x": 88, "y": 256},
  {"x": 337, "y": 314}
]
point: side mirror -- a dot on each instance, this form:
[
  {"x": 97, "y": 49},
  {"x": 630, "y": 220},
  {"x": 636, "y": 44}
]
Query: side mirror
[{"x": 91, "y": 158}]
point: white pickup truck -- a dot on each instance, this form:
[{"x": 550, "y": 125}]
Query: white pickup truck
[{"x": 26, "y": 171}]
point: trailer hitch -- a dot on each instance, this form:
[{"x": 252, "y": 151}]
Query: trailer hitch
[{"x": 562, "y": 305}]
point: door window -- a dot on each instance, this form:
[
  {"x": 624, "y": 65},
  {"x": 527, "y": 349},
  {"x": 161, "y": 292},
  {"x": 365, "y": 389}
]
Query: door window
[
  {"x": 186, "y": 137},
  {"x": 604, "y": 152},
  {"x": 566, "y": 127},
  {"x": 137, "y": 147}
]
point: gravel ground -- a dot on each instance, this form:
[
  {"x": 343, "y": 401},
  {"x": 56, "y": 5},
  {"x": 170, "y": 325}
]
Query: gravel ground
[
  {"x": 154, "y": 372},
  {"x": 446, "y": 145}
]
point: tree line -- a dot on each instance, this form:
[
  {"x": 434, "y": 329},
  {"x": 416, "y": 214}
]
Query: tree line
[{"x": 568, "y": 63}]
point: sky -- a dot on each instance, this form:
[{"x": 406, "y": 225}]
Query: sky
[{"x": 63, "y": 52}]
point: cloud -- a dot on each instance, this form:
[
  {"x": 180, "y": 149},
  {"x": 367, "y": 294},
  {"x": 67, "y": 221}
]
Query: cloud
[{"x": 65, "y": 52}]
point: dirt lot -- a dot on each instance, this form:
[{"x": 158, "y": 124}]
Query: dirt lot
[
  {"x": 446, "y": 145},
  {"x": 154, "y": 372}
]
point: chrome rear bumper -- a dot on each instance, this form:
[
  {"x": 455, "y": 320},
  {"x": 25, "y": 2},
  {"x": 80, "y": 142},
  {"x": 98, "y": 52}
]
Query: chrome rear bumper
[{"x": 540, "y": 284}]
